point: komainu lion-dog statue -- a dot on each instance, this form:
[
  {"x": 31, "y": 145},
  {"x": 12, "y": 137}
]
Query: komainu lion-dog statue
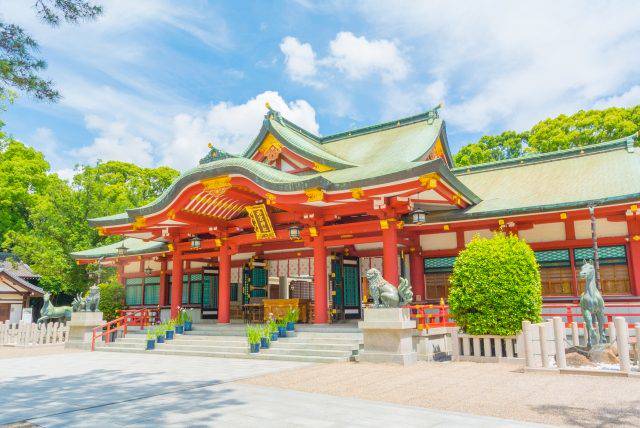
[{"x": 384, "y": 294}]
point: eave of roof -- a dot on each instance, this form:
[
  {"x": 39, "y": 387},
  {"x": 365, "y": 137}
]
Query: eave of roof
[
  {"x": 22, "y": 282},
  {"x": 134, "y": 247}
]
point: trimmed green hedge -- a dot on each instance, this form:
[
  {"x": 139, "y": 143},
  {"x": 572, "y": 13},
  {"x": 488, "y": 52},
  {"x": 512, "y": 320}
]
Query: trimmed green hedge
[
  {"x": 495, "y": 285},
  {"x": 111, "y": 299}
]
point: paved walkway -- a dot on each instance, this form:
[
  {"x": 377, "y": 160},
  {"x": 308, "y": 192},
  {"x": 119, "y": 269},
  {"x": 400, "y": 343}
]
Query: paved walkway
[{"x": 101, "y": 389}]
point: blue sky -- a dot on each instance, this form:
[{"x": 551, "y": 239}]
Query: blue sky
[{"x": 152, "y": 81}]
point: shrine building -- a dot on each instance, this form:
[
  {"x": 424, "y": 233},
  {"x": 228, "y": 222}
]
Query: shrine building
[{"x": 300, "y": 216}]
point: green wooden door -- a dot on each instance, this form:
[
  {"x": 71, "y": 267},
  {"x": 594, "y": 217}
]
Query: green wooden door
[{"x": 351, "y": 286}]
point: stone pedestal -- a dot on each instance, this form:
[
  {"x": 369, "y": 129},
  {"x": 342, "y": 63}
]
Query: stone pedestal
[
  {"x": 81, "y": 329},
  {"x": 387, "y": 336}
]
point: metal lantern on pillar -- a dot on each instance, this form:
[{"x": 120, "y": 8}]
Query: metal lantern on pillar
[
  {"x": 196, "y": 242},
  {"x": 122, "y": 250},
  {"x": 418, "y": 216},
  {"x": 294, "y": 232}
]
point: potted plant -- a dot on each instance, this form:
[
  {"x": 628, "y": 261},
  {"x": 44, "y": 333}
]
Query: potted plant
[
  {"x": 265, "y": 339},
  {"x": 178, "y": 322},
  {"x": 253, "y": 337},
  {"x": 168, "y": 328},
  {"x": 282, "y": 327},
  {"x": 273, "y": 329},
  {"x": 159, "y": 331},
  {"x": 188, "y": 321},
  {"x": 292, "y": 318},
  {"x": 151, "y": 340}
]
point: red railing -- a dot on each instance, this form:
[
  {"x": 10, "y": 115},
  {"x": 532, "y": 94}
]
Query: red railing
[
  {"x": 572, "y": 312},
  {"x": 131, "y": 317},
  {"x": 430, "y": 316},
  {"x": 151, "y": 316}
]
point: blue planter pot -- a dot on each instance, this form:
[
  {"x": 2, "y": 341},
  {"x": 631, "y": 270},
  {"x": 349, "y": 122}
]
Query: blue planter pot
[
  {"x": 264, "y": 343},
  {"x": 150, "y": 344},
  {"x": 188, "y": 325},
  {"x": 169, "y": 335},
  {"x": 274, "y": 336},
  {"x": 255, "y": 347},
  {"x": 291, "y": 326},
  {"x": 282, "y": 331},
  {"x": 179, "y": 329},
  {"x": 160, "y": 339}
]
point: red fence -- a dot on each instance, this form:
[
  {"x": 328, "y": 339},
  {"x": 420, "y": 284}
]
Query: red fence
[
  {"x": 129, "y": 318},
  {"x": 430, "y": 316}
]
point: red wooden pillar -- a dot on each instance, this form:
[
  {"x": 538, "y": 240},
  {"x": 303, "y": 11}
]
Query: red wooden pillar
[
  {"x": 224, "y": 285},
  {"x": 390, "y": 252},
  {"x": 120, "y": 272},
  {"x": 633, "y": 225},
  {"x": 319, "y": 280},
  {"x": 416, "y": 267},
  {"x": 176, "y": 283},
  {"x": 163, "y": 282}
]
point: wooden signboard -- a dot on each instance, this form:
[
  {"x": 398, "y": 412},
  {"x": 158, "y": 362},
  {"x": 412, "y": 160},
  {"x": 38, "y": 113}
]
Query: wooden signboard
[{"x": 261, "y": 222}]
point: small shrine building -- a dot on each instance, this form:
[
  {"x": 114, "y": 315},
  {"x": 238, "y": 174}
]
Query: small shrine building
[{"x": 300, "y": 216}]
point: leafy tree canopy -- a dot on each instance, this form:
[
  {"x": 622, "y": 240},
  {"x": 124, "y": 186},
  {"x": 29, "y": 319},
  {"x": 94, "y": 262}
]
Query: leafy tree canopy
[
  {"x": 43, "y": 218},
  {"x": 20, "y": 67},
  {"x": 563, "y": 132}
]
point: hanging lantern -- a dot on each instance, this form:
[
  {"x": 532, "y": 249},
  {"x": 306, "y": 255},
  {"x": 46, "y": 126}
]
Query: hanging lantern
[
  {"x": 418, "y": 216},
  {"x": 196, "y": 242},
  {"x": 122, "y": 250},
  {"x": 294, "y": 232}
]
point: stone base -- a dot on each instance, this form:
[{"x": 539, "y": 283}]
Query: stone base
[
  {"x": 388, "y": 336},
  {"x": 81, "y": 329}
]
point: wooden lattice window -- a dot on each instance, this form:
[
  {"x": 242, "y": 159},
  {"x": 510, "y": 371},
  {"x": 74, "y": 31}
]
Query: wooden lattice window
[
  {"x": 614, "y": 272},
  {"x": 437, "y": 271},
  {"x": 555, "y": 272}
]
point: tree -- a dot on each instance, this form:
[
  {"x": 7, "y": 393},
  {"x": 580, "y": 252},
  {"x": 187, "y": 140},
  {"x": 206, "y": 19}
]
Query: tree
[
  {"x": 20, "y": 68},
  {"x": 562, "y": 132},
  {"x": 111, "y": 299},
  {"x": 495, "y": 285},
  {"x": 52, "y": 219}
]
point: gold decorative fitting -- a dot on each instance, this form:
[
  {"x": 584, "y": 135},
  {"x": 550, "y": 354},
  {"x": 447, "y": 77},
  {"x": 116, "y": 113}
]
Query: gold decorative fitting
[
  {"x": 429, "y": 181},
  {"x": 101, "y": 231},
  {"x": 267, "y": 105},
  {"x": 218, "y": 242},
  {"x": 321, "y": 167},
  {"x": 217, "y": 186},
  {"x": 563, "y": 216},
  {"x": 501, "y": 222},
  {"x": 170, "y": 247},
  {"x": 269, "y": 198},
  {"x": 457, "y": 199},
  {"x": 400, "y": 224},
  {"x": 210, "y": 145},
  {"x": 139, "y": 222},
  {"x": 313, "y": 232},
  {"x": 634, "y": 208},
  {"x": 384, "y": 224},
  {"x": 346, "y": 236},
  {"x": 636, "y": 237},
  {"x": 171, "y": 215},
  {"x": 314, "y": 195},
  {"x": 445, "y": 227},
  {"x": 270, "y": 147},
  {"x": 357, "y": 193}
]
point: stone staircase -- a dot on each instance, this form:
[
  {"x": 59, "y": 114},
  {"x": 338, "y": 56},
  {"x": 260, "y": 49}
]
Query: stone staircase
[{"x": 310, "y": 344}]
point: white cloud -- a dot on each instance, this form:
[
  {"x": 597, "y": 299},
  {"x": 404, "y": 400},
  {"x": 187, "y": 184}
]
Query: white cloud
[
  {"x": 114, "y": 142},
  {"x": 629, "y": 98},
  {"x": 358, "y": 57},
  {"x": 230, "y": 127},
  {"x": 510, "y": 64},
  {"x": 300, "y": 60}
]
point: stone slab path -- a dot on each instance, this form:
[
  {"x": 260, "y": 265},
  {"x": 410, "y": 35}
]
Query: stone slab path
[{"x": 100, "y": 389}]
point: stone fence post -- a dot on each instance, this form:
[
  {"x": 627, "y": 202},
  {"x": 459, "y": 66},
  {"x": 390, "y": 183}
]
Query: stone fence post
[
  {"x": 559, "y": 337},
  {"x": 622, "y": 333}
]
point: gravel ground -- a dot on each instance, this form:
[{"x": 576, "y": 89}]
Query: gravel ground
[
  {"x": 19, "y": 351},
  {"x": 500, "y": 390}
]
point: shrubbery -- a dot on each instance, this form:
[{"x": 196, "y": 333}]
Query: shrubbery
[
  {"x": 111, "y": 299},
  {"x": 495, "y": 285}
]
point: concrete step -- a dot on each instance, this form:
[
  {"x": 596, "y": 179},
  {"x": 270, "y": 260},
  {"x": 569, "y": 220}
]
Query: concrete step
[
  {"x": 246, "y": 354},
  {"x": 309, "y": 352}
]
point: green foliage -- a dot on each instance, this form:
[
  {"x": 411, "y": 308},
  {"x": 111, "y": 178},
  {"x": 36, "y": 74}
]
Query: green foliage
[
  {"x": 265, "y": 333},
  {"x": 151, "y": 334},
  {"x": 562, "y": 132},
  {"x": 254, "y": 333},
  {"x": 20, "y": 68},
  {"x": 111, "y": 299},
  {"x": 272, "y": 326},
  {"x": 495, "y": 285},
  {"x": 292, "y": 315},
  {"x": 160, "y": 330}
]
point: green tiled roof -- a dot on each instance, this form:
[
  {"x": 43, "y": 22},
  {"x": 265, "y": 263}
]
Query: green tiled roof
[
  {"x": 596, "y": 174},
  {"x": 134, "y": 246}
]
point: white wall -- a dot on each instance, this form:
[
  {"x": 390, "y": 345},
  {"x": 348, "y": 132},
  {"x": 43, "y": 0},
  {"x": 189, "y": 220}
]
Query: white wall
[
  {"x": 545, "y": 232},
  {"x": 438, "y": 241}
]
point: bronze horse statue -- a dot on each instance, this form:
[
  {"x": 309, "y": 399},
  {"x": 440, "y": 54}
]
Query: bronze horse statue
[
  {"x": 592, "y": 306},
  {"x": 50, "y": 312}
]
